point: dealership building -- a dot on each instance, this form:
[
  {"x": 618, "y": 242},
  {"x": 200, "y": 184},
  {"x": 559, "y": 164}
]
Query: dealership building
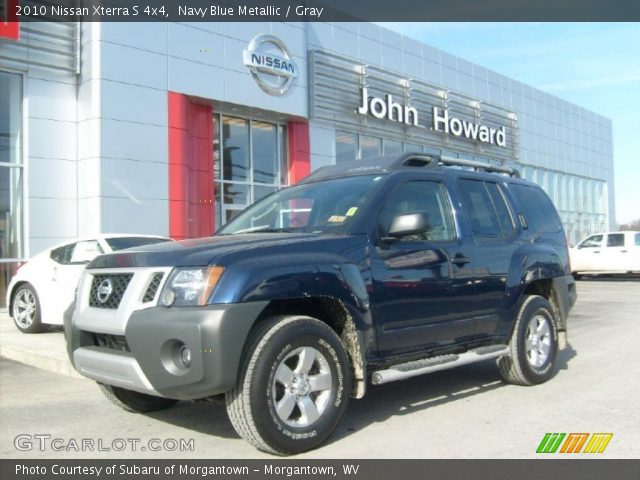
[{"x": 172, "y": 129}]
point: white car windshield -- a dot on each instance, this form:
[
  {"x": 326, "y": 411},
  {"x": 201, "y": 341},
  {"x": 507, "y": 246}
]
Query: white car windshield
[
  {"x": 327, "y": 206},
  {"x": 120, "y": 243}
]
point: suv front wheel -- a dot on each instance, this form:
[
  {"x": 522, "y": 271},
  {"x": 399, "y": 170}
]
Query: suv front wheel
[
  {"x": 293, "y": 388},
  {"x": 533, "y": 345},
  {"x": 134, "y": 401}
]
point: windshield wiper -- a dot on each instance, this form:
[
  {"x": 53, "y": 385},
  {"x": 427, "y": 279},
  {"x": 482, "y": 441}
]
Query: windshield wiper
[{"x": 266, "y": 229}]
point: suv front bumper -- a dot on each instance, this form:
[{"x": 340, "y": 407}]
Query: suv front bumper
[{"x": 147, "y": 361}]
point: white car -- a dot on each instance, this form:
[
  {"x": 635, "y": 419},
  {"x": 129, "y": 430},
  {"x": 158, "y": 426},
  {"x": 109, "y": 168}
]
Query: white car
[
  {"x": 603, "y": 253},
  {"x": 43, "y": 288}
]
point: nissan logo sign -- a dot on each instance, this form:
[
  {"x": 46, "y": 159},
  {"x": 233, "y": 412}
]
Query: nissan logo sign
[
  {"x": 104, "y": 290},
  {"x": 270, "y": 63}
]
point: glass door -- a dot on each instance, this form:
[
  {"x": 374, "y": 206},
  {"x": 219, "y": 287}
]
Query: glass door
[{"x": 250, "y": 162}]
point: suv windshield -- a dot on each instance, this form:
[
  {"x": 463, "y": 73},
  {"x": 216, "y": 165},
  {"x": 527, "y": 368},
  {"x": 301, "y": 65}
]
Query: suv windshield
[{"x": 327, "y": 206}]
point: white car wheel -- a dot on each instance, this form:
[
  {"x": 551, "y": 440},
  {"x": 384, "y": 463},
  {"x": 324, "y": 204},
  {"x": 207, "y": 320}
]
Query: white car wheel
[{"x": 26, "y": 310}]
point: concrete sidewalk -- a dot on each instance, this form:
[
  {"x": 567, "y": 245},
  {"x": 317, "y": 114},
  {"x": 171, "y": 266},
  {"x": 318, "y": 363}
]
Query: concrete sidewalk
[{"x": 45, "y": 350}]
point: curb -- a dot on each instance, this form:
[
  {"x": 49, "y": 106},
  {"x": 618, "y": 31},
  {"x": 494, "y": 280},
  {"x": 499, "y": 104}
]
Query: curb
[
  {"x": 54, "y": 364},
  {"x": 43, "y": 362}
]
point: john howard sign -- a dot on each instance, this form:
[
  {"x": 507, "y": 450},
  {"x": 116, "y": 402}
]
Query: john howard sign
[{"x": 442, "y": 120}]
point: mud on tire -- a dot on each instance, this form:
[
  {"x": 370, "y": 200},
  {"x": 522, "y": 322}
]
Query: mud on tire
[
  {"x": 293, "y": 387},
  {"x": 533, "y": 344}
]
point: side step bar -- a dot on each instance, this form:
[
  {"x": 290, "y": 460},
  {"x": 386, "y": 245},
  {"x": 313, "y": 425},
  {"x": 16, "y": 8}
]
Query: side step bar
[{"x": 403, "y": 371}]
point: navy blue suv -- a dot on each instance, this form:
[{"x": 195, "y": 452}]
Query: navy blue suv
[{"x": 366, "y": 272}]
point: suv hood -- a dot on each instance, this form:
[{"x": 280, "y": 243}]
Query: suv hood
[{"x": 196, "y": 252}]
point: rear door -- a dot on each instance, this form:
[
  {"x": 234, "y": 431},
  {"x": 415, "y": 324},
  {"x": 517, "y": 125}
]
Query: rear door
[
  {"x": 494, "y": 232},
  {"x": 616, "y": 256}
]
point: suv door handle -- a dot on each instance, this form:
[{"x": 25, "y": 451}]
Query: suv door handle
[
  {"x": 623, "y": 251},
  {"x": 459, "y": 259},
  {"x": 596, "y": 251}
]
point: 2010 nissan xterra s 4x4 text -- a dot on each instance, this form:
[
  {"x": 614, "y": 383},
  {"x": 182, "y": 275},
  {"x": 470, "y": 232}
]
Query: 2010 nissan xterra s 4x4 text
[{"x": 366, "y": 272}]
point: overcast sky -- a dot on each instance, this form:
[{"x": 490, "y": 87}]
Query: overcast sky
[{"x": 595, "y": 65}]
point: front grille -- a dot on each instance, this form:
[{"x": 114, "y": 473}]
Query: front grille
[
  {"x": 111, "y": 342},
  {"x": 152, "y": 289},
  {"x": 107, "y": 290}
]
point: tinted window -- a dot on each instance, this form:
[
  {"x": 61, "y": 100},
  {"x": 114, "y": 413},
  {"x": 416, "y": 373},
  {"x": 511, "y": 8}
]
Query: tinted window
[
  {"x": 505, "y": 220},
  {"x": 594, "y": 241},
  {"x": 479, "y": 209},
  {"x": 615, "y": 240},
  {"x": 638, "y": 239},
  {"x": 120, "y": 243},
  {"x": 538, "y": 209},
  {"x": 420, "y": 197}
]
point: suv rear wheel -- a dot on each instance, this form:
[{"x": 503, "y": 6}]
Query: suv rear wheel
[
  {"x": 533, "y": 345},
  {"x": 293, "y": 388}
]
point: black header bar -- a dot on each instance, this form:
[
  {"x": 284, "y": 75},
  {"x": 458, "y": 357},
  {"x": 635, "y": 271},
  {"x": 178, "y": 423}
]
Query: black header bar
[
  {"x": 592, "y": 469},
  {"x": 324, "y": 10}
]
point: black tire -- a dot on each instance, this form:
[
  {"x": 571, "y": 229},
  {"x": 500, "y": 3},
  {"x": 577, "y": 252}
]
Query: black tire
[
  {"x": 251, "y": 405},
  {"x": 33, "y": 324},
  {"x": 134, "y": 401},
  {"x": 518, "y": 368}
]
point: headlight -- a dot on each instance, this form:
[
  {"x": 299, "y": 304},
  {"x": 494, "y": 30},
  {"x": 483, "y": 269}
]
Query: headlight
[{"x": 190, "y": 286}]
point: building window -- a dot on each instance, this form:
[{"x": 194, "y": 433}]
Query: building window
[
  {"x": 346, "y": 146},
  {"x": 369, "y": 146},
  {"x": 392, "y": 147},
  {"x": 352, "y": 146},
  {"x": 250, "y": 162},
  {"x": 11, "y": 179},
  {"x": 412, "y": 148}
]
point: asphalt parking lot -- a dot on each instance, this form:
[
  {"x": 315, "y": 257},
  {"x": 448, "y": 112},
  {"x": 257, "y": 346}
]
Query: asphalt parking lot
[{"x": 463, "y": 413}]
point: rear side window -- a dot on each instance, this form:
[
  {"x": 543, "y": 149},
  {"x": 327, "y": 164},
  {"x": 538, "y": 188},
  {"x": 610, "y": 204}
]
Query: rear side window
[
  {"x": 486, "y": 209},
  {"x": 615, "y": 240},
  {"x": 638, "y": 239},
  {"x": 85, "y": 251},
  {"x": 538, "y": 209},
  {"x": 62, "y": 255}
]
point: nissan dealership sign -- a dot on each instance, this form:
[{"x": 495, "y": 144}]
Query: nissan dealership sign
[
  {"x": 270, "y": 63},
  {"x": 388, "y": 109}
]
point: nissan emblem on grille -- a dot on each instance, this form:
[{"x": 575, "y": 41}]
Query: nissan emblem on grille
[
  {"x": 107, "y": 290},
  {"x": 104, "y": 290}
]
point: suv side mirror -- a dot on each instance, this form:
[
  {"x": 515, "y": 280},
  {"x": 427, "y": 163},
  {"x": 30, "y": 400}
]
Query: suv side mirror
[{"x": 411, "y": 224}]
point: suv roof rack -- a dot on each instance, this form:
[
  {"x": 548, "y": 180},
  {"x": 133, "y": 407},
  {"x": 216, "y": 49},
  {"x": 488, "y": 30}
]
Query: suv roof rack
[
  {"x": 388, "y": 163},
  {"x": 426, "y": 160}
]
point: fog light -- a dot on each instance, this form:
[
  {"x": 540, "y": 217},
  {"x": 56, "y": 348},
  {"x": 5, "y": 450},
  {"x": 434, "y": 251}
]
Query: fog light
[
  {"x": 168, "y": 297},
  {"x": 185, "y": 356}
]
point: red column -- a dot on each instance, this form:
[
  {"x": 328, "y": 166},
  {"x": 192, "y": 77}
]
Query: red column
[
  {"x": 191, "y": 198},
  {"x": 299, "y": 151},
  {"x": 11, "y": 27}
]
